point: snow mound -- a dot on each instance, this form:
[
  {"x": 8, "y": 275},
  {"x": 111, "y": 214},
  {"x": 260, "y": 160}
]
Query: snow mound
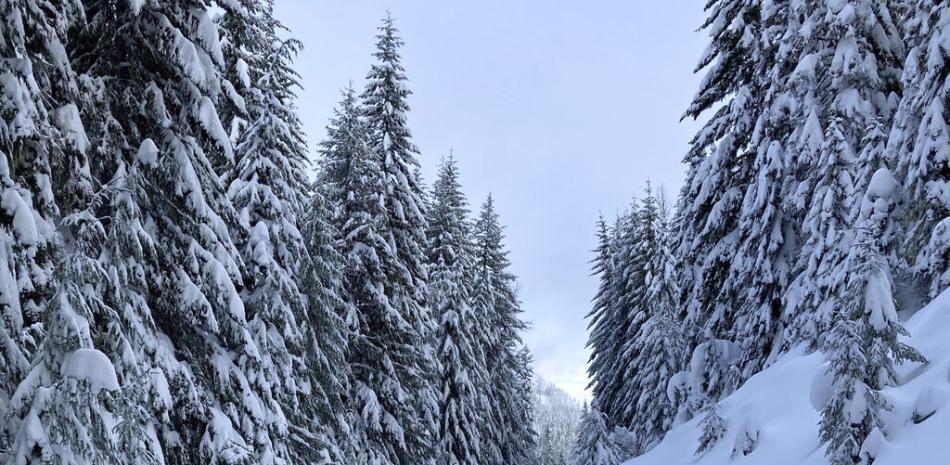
[
  {"x": 92, "y": 366},
  {"x": 773, "y": 418}
]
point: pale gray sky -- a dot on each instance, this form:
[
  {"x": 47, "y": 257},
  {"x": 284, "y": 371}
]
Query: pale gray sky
[{"x": 560, "y": 108}]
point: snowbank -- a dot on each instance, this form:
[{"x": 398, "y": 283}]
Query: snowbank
[{"x": 780, "y": 408}]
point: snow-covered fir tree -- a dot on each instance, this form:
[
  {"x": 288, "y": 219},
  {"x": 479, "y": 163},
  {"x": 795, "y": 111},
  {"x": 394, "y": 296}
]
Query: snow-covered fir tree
[
  {"x": 507, "y": 434},
  {"x": 863, "y": 346},
  {"x": 326, "y": 333},
  {"x": 70, "y": 408},
  {"x": 637, "y": 244},
  {"x": 720, "y": 163},
  {"x": 827, "y": 235},
  {"x": 155, "y": 70},
  {"x": 268, "y": 187},
  {"x": 617, "y": 398},
  {"x": 25, "y": 146},
  {"x": 714, "y": 428},
  {"x": 40, "y": 124},
  {"x": 846, "y": 81},
  {"x": 603, "y": 325},
  {"x": 384, "y": 105},
  {"x": 659, "y": 344},
  {"x": 462, "y": 405},
  {"x": 39, "y": 128},
  {"x": 367, "y": 176},
  {"x": 919, "y": 143},
  {"x": 518, "y": 433},
  {"x": 67, "y": 402},
  {"x": 596, "y": 444}
]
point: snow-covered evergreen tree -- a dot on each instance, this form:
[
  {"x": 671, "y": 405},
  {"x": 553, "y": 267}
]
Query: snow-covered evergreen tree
[
  {"x": 507, "y": 435},
  {"x": 40, "y": 124},
  {"x": 659, "y": 344},
  {"x": 39, "y": 127},
  {"x": 384, "y": 107},
  {"x": 720, "y": 163},
  {"x": 595, "y": 444},
  {"x": 714, "y": 428},
  {"x": 863, "y": 345},
  {"x": 268, "y": 187},
  {"x": 70, "y": 408},
  {"x": 155, "y": 70},
  {"x": 367, "y": 178},
  {"x": 827, "y": 235},
  {"x": 67, "y": 405},
  {"x": 845, "y": 80},
  {"x": 603, "y": 325},
  {"x": 520, "y": 437},
  {"x": 617, "y": 398},
  {"x": 919, "y": 142},
  {"x": 326, "y": 332},
  {"x": 463, "y": 408},
  {"x": 345, "y": 142}
]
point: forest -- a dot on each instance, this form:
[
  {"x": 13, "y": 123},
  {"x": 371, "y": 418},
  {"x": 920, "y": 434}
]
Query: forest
[
  {"x": 184, "y": 279},
  {"x": 812, "y": 224},
  {"x": 176, "y": 290}
]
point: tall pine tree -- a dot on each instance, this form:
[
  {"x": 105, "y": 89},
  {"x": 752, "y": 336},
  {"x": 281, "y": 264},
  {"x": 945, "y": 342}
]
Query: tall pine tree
[
  {"x": 462, "y": 406},
  {"x": 659, "y": 343},
  {"x": 156, "y": 69},
  {"x": 863, "y": 345},
  {"x": 507, "y": 435},
  {"x": 919, "y": 143}
]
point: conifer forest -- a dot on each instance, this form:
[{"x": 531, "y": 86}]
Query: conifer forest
[{"x": 189, "y": 275}]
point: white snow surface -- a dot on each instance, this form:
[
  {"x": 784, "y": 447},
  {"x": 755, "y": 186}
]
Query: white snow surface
[{"x": 783, "y": 403}]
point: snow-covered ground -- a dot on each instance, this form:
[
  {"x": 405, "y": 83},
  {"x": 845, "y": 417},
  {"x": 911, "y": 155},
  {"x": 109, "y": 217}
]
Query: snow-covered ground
[{"x": 780, "y": 407}]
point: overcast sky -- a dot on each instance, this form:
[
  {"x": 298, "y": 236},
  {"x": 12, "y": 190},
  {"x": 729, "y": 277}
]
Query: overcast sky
[{"x": 562, "y": 109}]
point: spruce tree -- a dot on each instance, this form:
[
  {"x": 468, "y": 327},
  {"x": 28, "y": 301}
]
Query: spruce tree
[
  {"x": 845, "y": 80},
  {"x": 595, "y": 445},
  {"x": 157, "y": 68},
  {"x": 62, "y": 405},
  {"x": 40, "y": 127},
  {"x": 343, "y": 200},
  {"x": 714, "y": 428},
  {"x": 384, "y": 108},
  {"x": 507, "y": 435},
  {"x": 70, "y": 407},
  {"x": 614, "y": 396},
  {"x": 390, "y": 360},
  {"x": 659, "y": 343},
  {"x": 863, "y": 346},
  {"x": 601, "y": 324},
  {"x": 827, "y": 236},
  {"x": 919, "y": 142},
  {"x": 24, "y": 122},
  {"x": 462, "y": 408},
  {"x": 269, "y": 188},
  {"x": 720, "y": 163},
  {"x": 326, "y": 332},
  {"x": 519, "y": 435},
  {"x": 346, "y": 141}
]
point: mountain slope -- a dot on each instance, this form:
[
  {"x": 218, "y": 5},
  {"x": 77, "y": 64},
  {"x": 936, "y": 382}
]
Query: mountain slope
[{"x": 777, "y": 410}]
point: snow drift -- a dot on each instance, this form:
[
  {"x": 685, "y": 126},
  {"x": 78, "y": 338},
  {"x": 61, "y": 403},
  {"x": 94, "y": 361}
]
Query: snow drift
[{"x": 773, "y": 418}]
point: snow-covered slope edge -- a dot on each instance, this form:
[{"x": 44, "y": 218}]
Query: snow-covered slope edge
[{"x": 782, "y": 405}]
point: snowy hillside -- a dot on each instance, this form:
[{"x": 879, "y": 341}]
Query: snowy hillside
[{"x": 779, "y": 409}]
